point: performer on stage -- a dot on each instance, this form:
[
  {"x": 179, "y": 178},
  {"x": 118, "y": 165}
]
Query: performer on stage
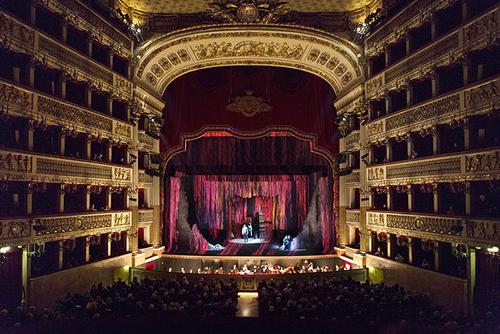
[{"x": 244, "y": 232}]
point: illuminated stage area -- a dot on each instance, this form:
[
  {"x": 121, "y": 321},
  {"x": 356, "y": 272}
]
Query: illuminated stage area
[{"x": 263, "y": 186}]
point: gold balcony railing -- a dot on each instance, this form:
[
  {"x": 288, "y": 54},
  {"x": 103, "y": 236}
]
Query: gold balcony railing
[
  {"x": 475, "y": 99},
  {"x": 469, "y": 230},
  {"x": 440, "y": 52},
  {"x": 352, "y": 216},
  {"x": 145, "y": 216},
  {"x": 49, "y": 51},
  {"x": 16, "y": 100},
  {"x": 33, "y": 167},
  {"x": 35, "y": 229},
  {"x": 458, "y": 167}
]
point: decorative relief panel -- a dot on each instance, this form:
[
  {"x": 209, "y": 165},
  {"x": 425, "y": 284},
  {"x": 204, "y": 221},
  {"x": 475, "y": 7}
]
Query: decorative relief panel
[
  {"x": 122, "y": 174},
  {"x": 352, "y": 178},
  {"x": 446, "y": 105},
  {"x": 484, "y": 26},
  {"x": 14, "y": 32},
  {"x": 14, "y": 100},
  {"x": 144, "y": 139},
  {"x": 487, "y": 94},
  {"x": 484, "y": 230},
  {"x": 145, "y": 216},
  {"x": 145, "y": 178},
  {"x": 59, "y": 225},
  {"x": 352, "y": 216},
  {"x": 374, "y": 84},
  {"x": 14, "y": 229},
  {"x": 428, "y": 224},
  {"x": 435, "y": 167},
  {"x": 16, "y": 162},
  {"x": 122, "y": 87},
  {"x": 375, "y": 128},
  {"x": 73, "y": 115},
  {"x": 122, "y": 219},
  {"x": 68, "y": 168},
  {"x": 376, "y": 173},
  {"x": 375, "y": 219},
  {"x": 352, "y": 140},
  {"x": 483, "y": 162},
  {"x": 122, "y": 129},
  {"x": 250, "y": 48}
]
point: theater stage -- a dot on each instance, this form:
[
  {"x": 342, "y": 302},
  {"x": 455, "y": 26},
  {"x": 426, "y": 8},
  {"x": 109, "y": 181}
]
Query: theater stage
[{"x": 257, "y": 247}]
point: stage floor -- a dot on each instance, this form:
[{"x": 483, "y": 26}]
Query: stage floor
[{"x": 258, "y": 247}]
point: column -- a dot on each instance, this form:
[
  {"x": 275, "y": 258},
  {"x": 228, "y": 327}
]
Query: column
[
  {"x": 110, "y": 55},
  {"x": 25, "y": 275},
  {"x": 465, "y": 70},
  {"x": 388, "y": 104},
  {"x": 88, "y": 96},
  {"x": 87, "y": 249},
  {"x": 109, "y": 151},
  {"x": 33, "y": 13},
  {"x": 63, "y": 86},
  {"x": 437, "y": 258},
  {"x": 464, "y": 11},
  {"x": 126, "y": 239},
  {"x": 435, "y": 141},
  {"x": 16, "y": 75},
  {"x": 471, "y": 276},
  {"x": 87, "y": 198},
  {"x": 409, "y": 146},
  {"x": 435, "y": 84},
  {"x": 466, "y": 134},
  {"x": 410, "y": 250},
  {"x": 60, "y": 198},
  {"x": 89, "y": 46},
  {"x": 409, "y": 94},
  {"x": 387, "y": 55},
  {"x": 61, "y": 255},
  {"x": 31, "y": 74},
  {"x": 108, "y": 244},
  {"x": 411, "y": 202},
  {"x": 108, "y": 198},
  {"x": 30, "y": 131},
  {"x": 64, "y": 34},
  {"x": 435, "y": 193},
  {"x": 468, "y": 207},
  {"x": 390, "y": 244},
  {"x": 408, "y": 43},
  {"x": 388, "y": 151},
  {"x": 110, "y": 106},
  {"x": 29, "y": 200},
  {"x": 433, "y": 27},
  {"x": 88, "y": 148},
  {"x": 371, "y": 243},
  {"x": 62, "y": 142},
  {"x": 389, "y": 199}
]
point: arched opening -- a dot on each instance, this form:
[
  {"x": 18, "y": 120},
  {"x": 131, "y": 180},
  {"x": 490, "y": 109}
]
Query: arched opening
[{"x": 250, "y": 154}]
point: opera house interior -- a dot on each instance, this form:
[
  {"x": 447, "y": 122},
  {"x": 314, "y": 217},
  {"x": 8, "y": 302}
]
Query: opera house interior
[{"x": 294, "y": 166}]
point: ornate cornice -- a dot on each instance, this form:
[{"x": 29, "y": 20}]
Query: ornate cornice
[{"x": 170, "y": 56}]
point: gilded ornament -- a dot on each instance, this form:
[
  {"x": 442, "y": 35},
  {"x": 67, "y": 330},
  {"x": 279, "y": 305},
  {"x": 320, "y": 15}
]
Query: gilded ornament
[{"x": 248, "y": 105}]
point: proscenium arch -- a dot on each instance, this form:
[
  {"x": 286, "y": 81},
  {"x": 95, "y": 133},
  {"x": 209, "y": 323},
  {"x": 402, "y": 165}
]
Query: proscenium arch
[{"x": 167, "y": 57}]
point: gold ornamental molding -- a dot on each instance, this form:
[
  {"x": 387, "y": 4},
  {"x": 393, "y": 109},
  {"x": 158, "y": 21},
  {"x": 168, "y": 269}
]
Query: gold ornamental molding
[
  {"x": 447, "y": 228},
  {"x": 248, "y": 105},
  {"x": 479, "y": 98},
  {"x": 328, "y": 56},
  {"x": 24, "y": 166},
  {"x": 50, "y": 52},
  {"x": 460, "y": 167},
  {"x": 21, "y": 231},
  {"x": 21, "y": 102}
]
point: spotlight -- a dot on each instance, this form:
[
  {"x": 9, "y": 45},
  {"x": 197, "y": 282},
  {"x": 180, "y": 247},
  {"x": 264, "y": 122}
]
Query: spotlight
[
  {"x": 4, "y": 249},
  {"x": 493, "y": 249}
]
